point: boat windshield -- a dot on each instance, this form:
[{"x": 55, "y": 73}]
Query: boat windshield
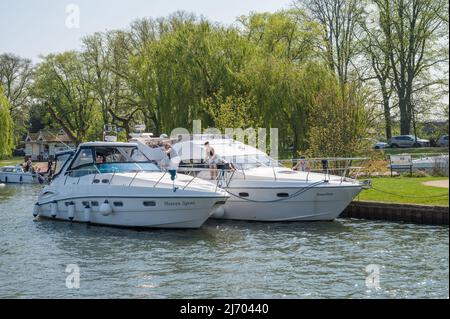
[
  {"x": 111, "y": 159},
  {"x": 250, "y": 161},
  {"x": 126, "y": 167},
  {"x": 61, "y": 161}
]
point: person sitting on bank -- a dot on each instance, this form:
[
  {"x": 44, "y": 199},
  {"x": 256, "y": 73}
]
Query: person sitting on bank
[
  {"x": 211, "y": 160},
  {"x": 302, "y": 165}
]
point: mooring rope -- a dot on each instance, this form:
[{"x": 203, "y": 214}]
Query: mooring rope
[{"x": 408, "y": 196}]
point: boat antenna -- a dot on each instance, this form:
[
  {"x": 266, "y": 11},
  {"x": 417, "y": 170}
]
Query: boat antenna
[{"x": 59, "y": 140}]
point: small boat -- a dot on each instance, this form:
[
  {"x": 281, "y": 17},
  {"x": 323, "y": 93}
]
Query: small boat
[
  {"x": 16, "y": 174},
  {"x": 427, "y": 163},
  {"x": 432, "y": 163},
  {"x": 111, "y": 183}
]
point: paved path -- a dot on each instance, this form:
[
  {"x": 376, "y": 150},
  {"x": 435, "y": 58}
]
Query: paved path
[{"x": 443, "y": 184}]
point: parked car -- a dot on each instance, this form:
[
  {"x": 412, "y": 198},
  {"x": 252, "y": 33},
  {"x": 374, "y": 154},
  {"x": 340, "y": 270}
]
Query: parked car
[
  {"x": 376, "y": 144},
  {"x": 443, "y": 141},
  {"x": 408, "y": 141},
  {"x": 380, "y": 145}
]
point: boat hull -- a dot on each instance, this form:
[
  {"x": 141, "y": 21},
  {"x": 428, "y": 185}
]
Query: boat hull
[
  {"x": 17, "y": 178},
  {"x": 314, "y": 204},
  {"x": 130, "y": 200},
  {"x": 160, "y": 212}
]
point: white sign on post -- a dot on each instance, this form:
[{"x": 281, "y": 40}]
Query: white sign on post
[{"x": 401, "y": 162}]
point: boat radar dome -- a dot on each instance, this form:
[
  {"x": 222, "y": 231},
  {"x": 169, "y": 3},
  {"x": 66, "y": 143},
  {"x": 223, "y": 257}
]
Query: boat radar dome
[{"x": 163, "y": 136}]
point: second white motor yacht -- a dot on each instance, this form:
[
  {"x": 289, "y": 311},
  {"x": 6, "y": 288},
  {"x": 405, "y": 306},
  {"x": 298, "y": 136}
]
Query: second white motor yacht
[
  {"x": 263, "y": 190},
  {"x": 112, "y": 183}
]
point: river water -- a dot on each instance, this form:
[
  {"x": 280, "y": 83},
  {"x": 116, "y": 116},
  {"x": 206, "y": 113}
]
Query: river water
[{"x": 220, "y": 260}]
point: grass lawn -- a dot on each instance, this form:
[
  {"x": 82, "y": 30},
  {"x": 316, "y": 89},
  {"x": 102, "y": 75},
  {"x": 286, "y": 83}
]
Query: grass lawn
[
  {"x": 410, "y": 187},
  {"x": 12, "y": 161}
]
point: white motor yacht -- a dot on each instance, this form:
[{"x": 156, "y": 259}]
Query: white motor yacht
[
  {"x": 263, "y": 190},
  {"x": 110, "y": 183}
]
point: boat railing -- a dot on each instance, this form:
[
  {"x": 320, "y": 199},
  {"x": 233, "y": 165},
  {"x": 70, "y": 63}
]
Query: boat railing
[
  {"x": 95, "y": 172},
  {"x": 346, "y": 168},
  {"x": 323, "y": 168}
]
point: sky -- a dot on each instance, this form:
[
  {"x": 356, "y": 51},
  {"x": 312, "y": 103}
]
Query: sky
[{"x": 31, "y": 28}]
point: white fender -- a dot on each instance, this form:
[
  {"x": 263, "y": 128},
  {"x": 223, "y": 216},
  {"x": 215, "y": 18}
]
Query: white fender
[
  {"x": 105, "y": 208},
  {"x": 87, "y": 213},
  {"x": 54, "y": 209},
  {"x": 219, "y": 212},
  {"x": 71, "y": 211},
  {"x": 36, "y": 210}
]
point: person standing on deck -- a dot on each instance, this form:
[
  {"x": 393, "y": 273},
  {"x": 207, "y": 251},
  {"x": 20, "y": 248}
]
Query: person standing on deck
[
  {"x": 211, "y": 159},
  {"x": 302, "y": 165}
]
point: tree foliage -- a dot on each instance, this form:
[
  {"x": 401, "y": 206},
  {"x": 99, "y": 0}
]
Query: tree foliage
[
  {"x": 16, "y": 75},
  {"x": 6, "y": 127},
  {"x": 62, "y": 84}
]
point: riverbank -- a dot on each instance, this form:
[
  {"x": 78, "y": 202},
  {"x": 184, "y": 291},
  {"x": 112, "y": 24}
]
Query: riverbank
[
  {"x": 415, "y": 214},
  {"x": 11, "y": 161}
]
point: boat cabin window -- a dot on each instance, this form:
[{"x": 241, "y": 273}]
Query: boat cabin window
[
  {"x": 61, "y": 161},
  {"x": 250, "y": 161},
  {"x": 84, "y": 157},
  {"x": 109, "y": 159},
  {"x": 119, "y": 155}
]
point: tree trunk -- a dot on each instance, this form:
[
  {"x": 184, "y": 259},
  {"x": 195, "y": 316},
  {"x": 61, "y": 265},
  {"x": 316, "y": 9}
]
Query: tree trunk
[
  {"x": 126, "y": 125},
  {"x": 63, "y": 125},
  {"x": 387, "y": 116},
  {"x": 296, "y": 142},
  {"x": 405, "y": 117}
]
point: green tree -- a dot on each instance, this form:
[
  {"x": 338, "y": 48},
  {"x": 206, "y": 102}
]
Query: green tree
[
  {"x": 108, "y": 55},
  {"x": 286, "y": 35},
  {"x": 376, "y": 50},
  {"x": 411, "y": 29},
  {"x": 62, "y": 84},
  {"x": 6, "y": 127},
  {"x": 231, "y": 111},
  {"x": 340, "y": 24},
  {"x": 193, "y": 62},
  {"x": 16, "y": 77},
  {"x": 339, "y": 121}
]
